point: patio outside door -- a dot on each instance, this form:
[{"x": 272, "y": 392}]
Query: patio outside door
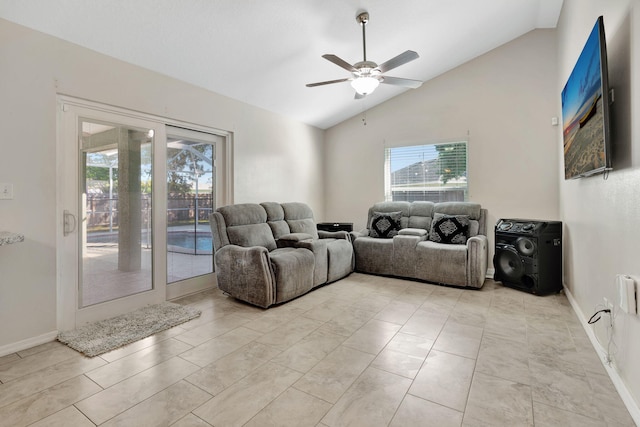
[{"x": 116, "y": 211}]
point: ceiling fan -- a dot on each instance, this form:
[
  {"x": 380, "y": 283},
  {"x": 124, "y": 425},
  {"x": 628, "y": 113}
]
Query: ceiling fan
[{"x": 367, "y": 75}]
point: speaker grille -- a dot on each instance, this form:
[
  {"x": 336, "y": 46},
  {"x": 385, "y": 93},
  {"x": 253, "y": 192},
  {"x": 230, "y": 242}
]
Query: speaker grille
[{"x": 528, "y": 255}]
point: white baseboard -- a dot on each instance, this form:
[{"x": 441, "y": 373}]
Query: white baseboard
[
  {"x": 28, "y": 343},
  {"x": 623, "y": 391}
]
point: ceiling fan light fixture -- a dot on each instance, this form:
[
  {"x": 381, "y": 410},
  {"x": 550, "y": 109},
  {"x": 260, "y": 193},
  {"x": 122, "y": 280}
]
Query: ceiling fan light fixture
[{"x": 365, "y": 85}]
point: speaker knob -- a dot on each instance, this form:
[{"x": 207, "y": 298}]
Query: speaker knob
[{"x": 528, "y": 227}]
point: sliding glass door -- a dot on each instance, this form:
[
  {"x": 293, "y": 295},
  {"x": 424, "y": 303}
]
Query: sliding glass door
[
  {"x": 191, "y": 184},
  {"x": 116, "y": 177}
]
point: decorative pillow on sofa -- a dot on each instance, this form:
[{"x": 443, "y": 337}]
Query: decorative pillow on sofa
[
  {"x": 449, "y": 229},
  {"x": 385, "y": 224}
]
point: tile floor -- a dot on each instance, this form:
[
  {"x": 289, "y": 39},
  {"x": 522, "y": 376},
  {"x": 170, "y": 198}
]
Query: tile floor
[{"x": 365, "y": 351}]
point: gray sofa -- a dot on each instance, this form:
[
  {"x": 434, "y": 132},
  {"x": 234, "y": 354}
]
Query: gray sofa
[
  {"x": 269, "y": 253},
  {"x": 412, "y": 253}
]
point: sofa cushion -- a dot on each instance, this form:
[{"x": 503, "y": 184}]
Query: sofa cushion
[
  {"x": 449, "y": 229},
  {"x": 252, "y": 235},
  {"x": 299, "y": 216},
  {"x": 385, "y": 224}
]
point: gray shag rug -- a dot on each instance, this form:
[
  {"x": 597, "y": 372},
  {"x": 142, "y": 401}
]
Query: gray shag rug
[{"x": 100, "y": 337}]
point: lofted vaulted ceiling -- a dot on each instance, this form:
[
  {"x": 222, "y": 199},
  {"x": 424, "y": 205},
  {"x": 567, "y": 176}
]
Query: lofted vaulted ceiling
[{"x": 263, "y": 52}]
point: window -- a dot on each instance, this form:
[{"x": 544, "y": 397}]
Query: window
[{"x": 435, "y": 172}]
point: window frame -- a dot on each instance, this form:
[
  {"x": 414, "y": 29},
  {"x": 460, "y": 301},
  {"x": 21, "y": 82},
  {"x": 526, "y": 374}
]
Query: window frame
[{"x": 429, "y": 147}]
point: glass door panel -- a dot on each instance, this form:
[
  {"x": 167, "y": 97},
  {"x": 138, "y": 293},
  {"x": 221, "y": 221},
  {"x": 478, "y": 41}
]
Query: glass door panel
[
  {"x": 190, "y": 201},
  {"x": 115, "y": 202}
]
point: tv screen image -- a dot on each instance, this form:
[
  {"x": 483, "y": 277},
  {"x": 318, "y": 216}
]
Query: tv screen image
[{"x": 585, "y": 110}]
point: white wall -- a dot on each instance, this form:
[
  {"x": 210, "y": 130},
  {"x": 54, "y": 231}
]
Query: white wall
[
  {"x": 269, "y": 150},
  {"x": 503, "y": 101},
  {"x": 601, "y": 217}
]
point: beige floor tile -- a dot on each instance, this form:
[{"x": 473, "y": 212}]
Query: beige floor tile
[
  {"x": 292, "y": 408},
  {"x": 347, "y": 322},
  {"x": 425, "y": 323},
  {"x": 215, "y": 328},
  {"x": 416, "y": 412},
  {"x": 330, "y": 358},
  {"x": 608, "y": 402},
  {"x": 463, "y": 340},
  {"x": 128, "y": 366},
  {"x": 46, "y": 378},
  {"x": 373, "y": 336},
  {"x": 397, "y": 312},
  {"x": 124, "y": 395},
  {"x": 306, "y": 353},
  {"x": 498, "y": 402},
  {"x": 40, "y": 405},
  {"x": 330, "y": 378},
  {"x": 562, "y": 385},
  {"x": 372, "y": 400},
  {"x": 69, "y": 416},
  {"x": 239, "y": 403},
  {"x": 224, "y": 372},
  {"x": 548, "y": 416},
  {"x": 218, "y": 347},
  {"x": 505, "y": 359},
  {"x": 398, "y": 363},
  {"x": 327, "y": 310},
  {"x": 372, "y": 302},
  {"x": 142, "y": 344},
  {"x": 444, "y": 379},
  {"x": 287, "y": 335},
  {"x": 191, "y": 420},
  {"x": 41, "y": 360},
  {"x": 164, "y": 408},
  {"x": 9, "y": 358},
  {"x": 410, "y": 344},
  {"x": 506, "y": 326},
  {"x": 52, "y": 345},
  {"x": 274, "y": 318}
]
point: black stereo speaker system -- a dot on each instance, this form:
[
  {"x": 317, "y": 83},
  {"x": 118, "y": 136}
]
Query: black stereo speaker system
[{"x": 528, "y": 255}]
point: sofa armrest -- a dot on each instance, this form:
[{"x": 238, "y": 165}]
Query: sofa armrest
[
  {"x": 362, "y": 233},
  {"x": 296, "y": 237},
  {"x": 246, "y": 274},
  {"x": 334, "y": 235},
  {"x": 477, "y": 259},
  {"x": 419, "y": 232}
]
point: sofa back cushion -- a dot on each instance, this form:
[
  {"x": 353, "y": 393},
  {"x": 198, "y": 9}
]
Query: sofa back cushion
[
  {"x": 275, "y": 219},
  {"x": 388, "y": 207},
  {"x": 299, "y": 217},
  {"x": 472, "y": 210},
  {"x": 247, "y": 225},
  {"x": 420, "y": 215}
]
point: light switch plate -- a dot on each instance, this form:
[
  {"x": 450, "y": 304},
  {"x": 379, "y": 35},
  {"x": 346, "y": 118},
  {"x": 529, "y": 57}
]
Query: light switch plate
[{"x": 6, "y": 191}]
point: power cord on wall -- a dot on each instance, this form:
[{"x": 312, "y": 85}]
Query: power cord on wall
[{"x": 596, "y": 317}]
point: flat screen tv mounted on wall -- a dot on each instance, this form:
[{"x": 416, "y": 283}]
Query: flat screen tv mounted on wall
[{"x": 585, "y": 110}]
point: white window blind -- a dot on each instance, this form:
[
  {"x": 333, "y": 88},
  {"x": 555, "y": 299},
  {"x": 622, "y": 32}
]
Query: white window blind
[{"x": 433, "y": 172}]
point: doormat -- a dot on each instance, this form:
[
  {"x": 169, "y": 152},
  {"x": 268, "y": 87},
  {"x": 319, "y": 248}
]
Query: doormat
[{"x": 106, "y": 335}]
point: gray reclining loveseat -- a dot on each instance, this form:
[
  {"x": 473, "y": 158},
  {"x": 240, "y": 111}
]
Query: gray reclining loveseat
[
  {"x": 443, "y": 243},
  {"x": 270, "y": 253}
]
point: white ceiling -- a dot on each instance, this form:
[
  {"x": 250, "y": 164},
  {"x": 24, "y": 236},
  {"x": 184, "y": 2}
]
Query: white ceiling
[{"x": 264, "y": 52}]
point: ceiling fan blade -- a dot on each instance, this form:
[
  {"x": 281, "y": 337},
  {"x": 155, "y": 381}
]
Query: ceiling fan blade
[
  {"x": 399, "y": 60},
  {"x": 339, "y": 62},
  {"x": 328, "y": 82},
  {"x": 396, "y": 81}
]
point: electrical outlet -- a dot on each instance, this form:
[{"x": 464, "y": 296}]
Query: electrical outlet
[{"x": 6, "y": 191}]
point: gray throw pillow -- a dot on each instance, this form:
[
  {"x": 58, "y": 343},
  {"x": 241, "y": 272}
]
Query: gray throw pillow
[
  {"x": 385, "y": 224},
  {"x": 452, "y": 229}
]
